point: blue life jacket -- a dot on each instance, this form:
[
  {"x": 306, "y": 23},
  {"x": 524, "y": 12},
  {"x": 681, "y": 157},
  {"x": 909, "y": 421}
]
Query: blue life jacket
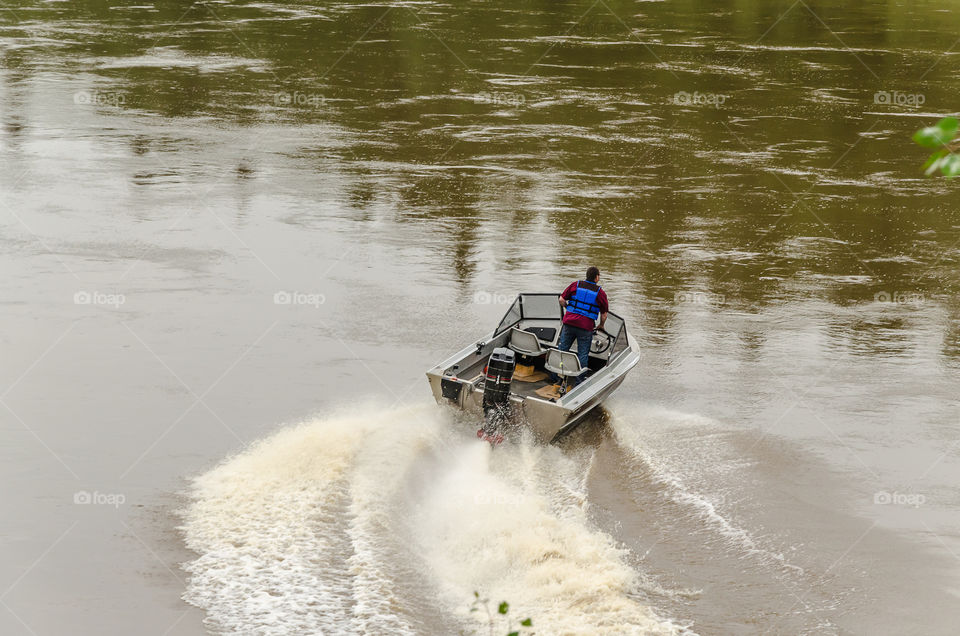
[{"x": 584, "y": 300}]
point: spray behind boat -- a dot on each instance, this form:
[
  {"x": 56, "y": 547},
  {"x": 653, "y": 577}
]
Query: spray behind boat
[{"x": 497, "y": 409}]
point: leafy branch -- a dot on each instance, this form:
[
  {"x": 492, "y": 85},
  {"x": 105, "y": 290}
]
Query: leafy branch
[
  {"x": 942, "y": 138},
  {"x": 502, "y": 610}
]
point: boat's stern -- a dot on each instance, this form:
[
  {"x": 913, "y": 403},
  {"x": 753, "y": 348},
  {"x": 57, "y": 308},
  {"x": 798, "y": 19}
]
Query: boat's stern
[
  {"x": 451, "y": 390},
  {"x": 544, "y": 417}
]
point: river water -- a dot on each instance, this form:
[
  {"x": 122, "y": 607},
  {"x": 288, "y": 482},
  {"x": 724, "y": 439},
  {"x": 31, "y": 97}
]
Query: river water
[{"x": 235, "y": 234}]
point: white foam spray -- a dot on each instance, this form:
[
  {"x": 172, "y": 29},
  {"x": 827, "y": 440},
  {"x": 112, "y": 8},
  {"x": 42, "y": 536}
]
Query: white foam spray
[{"x": 387, "y": 521}]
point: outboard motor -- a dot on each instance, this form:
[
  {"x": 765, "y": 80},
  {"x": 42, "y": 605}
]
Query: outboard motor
[{"x": 496, "y": 393}]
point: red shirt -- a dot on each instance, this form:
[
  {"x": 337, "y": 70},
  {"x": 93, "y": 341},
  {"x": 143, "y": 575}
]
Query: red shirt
[{"x": 576, "y": 320}]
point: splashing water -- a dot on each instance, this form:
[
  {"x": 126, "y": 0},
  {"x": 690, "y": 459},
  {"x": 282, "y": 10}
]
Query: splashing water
[{"x": 387, "y": 521}]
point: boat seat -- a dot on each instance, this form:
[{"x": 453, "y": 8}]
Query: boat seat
[
  {"x": 564, "y": 363},
  {"x": 546, "y": 334},
  {"x": 525, "y": 343}
]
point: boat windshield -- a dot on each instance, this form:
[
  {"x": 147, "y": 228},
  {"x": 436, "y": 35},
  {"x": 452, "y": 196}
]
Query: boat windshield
[
  {"x": 547, "y": 307},
  {"x": 541, "y": 306},
  {"x": 512, "y": 317},
  {"x": 531, "y": 307},
  {"x": 615, "y": 327}
]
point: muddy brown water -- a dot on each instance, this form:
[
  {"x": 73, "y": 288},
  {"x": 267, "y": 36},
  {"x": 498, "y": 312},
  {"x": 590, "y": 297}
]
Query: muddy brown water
[{"x": 223, "y": 219}]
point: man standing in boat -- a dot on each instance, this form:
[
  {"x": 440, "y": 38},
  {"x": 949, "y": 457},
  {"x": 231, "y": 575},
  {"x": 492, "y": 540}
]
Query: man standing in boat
[{"x": 584, "y": 302}]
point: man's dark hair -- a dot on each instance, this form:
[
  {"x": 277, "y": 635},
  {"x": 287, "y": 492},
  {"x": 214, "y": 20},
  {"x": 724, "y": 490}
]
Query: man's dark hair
[{"x": 592, "y": 274}]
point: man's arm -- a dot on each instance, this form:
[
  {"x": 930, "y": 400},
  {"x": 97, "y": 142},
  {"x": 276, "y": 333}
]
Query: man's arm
[
  {"x": 604, "y": 308},
  {"x": 567, "y": 293}
]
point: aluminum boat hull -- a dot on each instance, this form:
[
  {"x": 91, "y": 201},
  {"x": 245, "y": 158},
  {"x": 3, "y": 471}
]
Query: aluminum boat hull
[{"x": 548, "y": 419}]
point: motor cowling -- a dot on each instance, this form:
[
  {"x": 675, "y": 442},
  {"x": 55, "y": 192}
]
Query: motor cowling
[
  {"x": 496, "y": 393},
  {"x": 499, "y": 375}
]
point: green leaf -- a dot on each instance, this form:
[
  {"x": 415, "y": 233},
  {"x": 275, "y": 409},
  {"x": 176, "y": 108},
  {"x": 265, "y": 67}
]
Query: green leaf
[
  {"x": 503, "y": 607},
  {"x": 939, "y": 135},
  {"x": 933, "y": 160},
  {"x": 514, "y": 634},
  {"x": 932, "y": 166},
  {"x": 949, "y": 126},
  {"x": 950, "y": 165},
  {"x": 527, "y": 623}
]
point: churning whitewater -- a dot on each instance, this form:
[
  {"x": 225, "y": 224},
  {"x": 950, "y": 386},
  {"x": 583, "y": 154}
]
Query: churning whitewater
[{"x": 386, "y": 521}]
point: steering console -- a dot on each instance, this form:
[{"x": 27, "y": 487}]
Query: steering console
[{"x": 601, "y": 342}]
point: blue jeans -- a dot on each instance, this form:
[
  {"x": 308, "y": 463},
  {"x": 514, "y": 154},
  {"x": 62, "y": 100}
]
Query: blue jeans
[{"x": 584, "y": 338}]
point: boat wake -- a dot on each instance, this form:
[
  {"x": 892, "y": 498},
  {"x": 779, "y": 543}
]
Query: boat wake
[
  {"x": 387, "y": 521},
  {"x": 641, "y": 433}
]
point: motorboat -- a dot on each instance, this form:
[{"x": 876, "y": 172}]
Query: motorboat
[{"x": 517, "y": 373}]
